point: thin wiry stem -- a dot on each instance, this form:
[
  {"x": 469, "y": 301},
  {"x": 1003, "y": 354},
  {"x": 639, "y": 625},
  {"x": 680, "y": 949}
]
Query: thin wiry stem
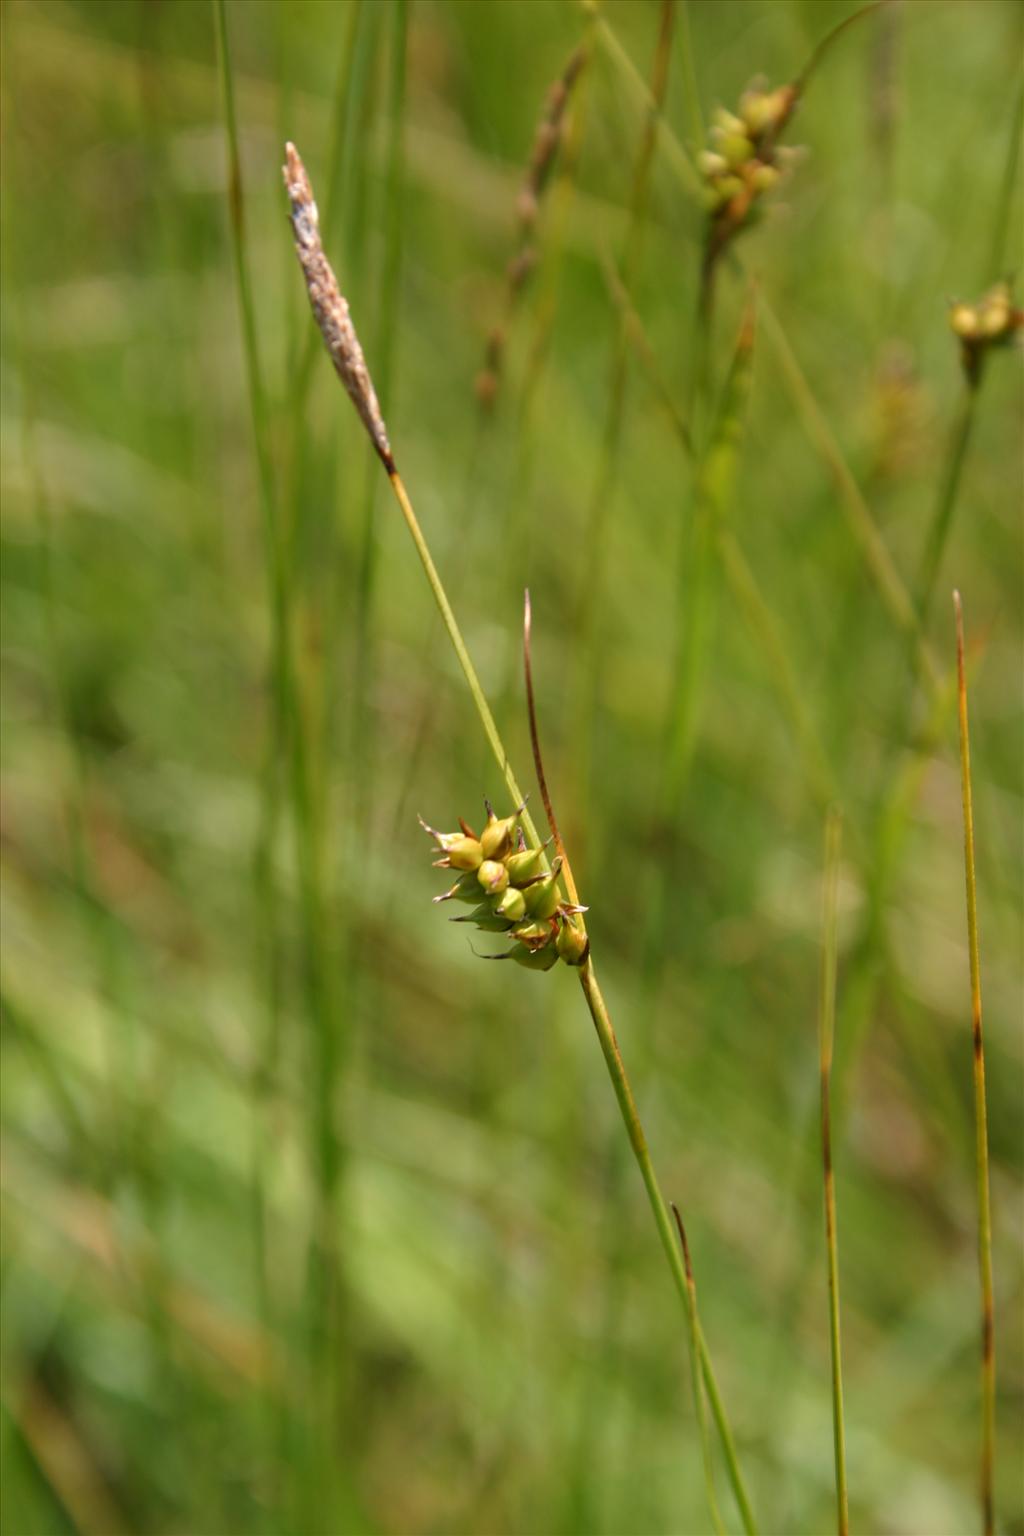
[
  {"x": 288, "y": 735},
  {"x": 891, "y": 587},
  {"x": 988, "y": 1354},
  {"x": 1001, "y": 221},
  {"x": 638, "y": 1143},
  {"x": 698, "y": 1389},
  {"x": 592, "y": 565},
  {"x": 483, "y": 709},
  {"x": 333, "y": 317},
  {"x": 826, "y": 1036},
  {"x": 943, "y": 515},
  {"x": 949, "y": 488},
  {"x": 538, "y": 760},
  {"x": 826, "y": 42}
]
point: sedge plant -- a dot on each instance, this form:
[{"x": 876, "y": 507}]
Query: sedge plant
[{"x": 489, "y": 858}]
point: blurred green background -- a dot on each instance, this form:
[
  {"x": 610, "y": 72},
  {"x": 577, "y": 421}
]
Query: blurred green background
[{"x": 313, "y": 1222}]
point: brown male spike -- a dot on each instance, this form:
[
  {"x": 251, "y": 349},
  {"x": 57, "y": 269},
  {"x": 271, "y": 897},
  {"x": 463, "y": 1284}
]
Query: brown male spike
[{"x": 330, "y": 306}]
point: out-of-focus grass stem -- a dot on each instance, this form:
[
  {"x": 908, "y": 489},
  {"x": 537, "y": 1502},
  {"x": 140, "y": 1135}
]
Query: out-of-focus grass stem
[
  {"x": 384, "y": 350},
  {"x": 663, "y": 1222},
  {"x": 288, "y": 737},
  {"x": 590, "y": 650},
  {"x": 960, "y": 438},
  {"x": 826, "y": 1036},
  {"x": 891, "y": 587},
  {"x": 988, "y": 1354}
]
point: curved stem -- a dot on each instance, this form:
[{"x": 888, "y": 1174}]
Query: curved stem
[
  {"x": 663, "y": 1221},
  {"x": 538, "y": 760}
]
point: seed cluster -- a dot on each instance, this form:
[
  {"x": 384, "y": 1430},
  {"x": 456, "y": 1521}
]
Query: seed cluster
[
  {"x": 511, "y": 891},
  {"x": 744, "y": 160},
  {"x": 992, "y": 322}
]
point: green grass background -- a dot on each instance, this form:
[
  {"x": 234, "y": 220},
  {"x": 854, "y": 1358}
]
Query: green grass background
[{"x": 313, "y": 1222}]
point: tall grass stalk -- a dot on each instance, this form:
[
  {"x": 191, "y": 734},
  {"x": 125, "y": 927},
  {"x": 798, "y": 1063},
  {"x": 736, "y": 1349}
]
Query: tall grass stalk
[
  {"x": 288, "y": 735},
  {"x": 889, "y": 582},
  {"x": 826, "y": 1036},
  {"x": 332, "y": 315},
  {"x": 988, "y": 1353},
  {"x": 595, "y": 1002},
  {"x": 716, "y": 473},
  {"x": 960, "y": 438},
  {"x": 762, "y": 621},
  {"x": 697, "y": 1383},
  {"x": 590, "y": 650},
  {"x": 575, "y": 77},
  {"x": 362, "y": 735}
]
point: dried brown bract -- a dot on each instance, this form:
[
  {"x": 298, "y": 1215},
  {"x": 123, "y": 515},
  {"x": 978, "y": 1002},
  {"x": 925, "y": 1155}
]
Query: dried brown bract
[{"x": 330, "y": 306}]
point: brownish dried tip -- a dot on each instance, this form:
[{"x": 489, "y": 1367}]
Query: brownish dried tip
[{"x": 329, "y": 305}]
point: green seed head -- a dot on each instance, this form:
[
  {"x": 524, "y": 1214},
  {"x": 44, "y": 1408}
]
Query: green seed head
[
  {"x": 466, "y": 888},
  {"x": 536, "y": 959},
  {"x": 542, "y": 895},
  {"x": 485, "y": 918},
  {"x": 464, "y": 853},
  {"x": 496, "y": 838},
  {"x": 735, "y": 148},
  {"x": 764, "y": 177},
  {"x": 525, "y": 865},
  {"x": 533, "y": 933},
  {"x": 571, "y": 943},
  {"x": 492, "y": 875},
  {"x": 510, "y": 905}
]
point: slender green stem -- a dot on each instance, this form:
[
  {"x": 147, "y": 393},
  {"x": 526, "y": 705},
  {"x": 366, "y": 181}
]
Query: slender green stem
[
  {"x": 889, "y": 582},
  {"x": 595, "y": 1002},
  {"x": 343, "y": 348},
  {"x": 589, "y": 649},
  {"x": 288, "y": 736},
  {"x": 763, "y": 625},
  {"x": 943, "y": 515},
  {"x": 988, "y": 1355},
  {"x": 664, "y": 138},
  {"x": 949, "y": 489},
  {"x": 483, "y": 709},
  {"x": 826, "y": 1036},
  {"x": 693, "y": 109},
  {"x": 1001, "y": 221},
  {"x": 698, "y": 1387},
  {"x": 663, "y": 1221}
]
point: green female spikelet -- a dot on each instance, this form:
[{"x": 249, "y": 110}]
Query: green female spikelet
[
  {"x": 993, "y": 322},
  {"x": 522, "y": 899}
]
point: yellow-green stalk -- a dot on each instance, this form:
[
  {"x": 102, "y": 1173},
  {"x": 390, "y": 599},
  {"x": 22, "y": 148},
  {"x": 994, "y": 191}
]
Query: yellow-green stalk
[
  {"x": 826, "y": 1035},
  {"x": 988, "y": 1352},
  {"x": 332, "y": 315}
]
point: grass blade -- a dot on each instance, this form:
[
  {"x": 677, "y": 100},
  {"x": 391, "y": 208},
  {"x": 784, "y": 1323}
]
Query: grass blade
[
  {"x": 716, "y": 479},
  {"x": 826, "y": 1035},
  {"x": 988, "y": 1356}
]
